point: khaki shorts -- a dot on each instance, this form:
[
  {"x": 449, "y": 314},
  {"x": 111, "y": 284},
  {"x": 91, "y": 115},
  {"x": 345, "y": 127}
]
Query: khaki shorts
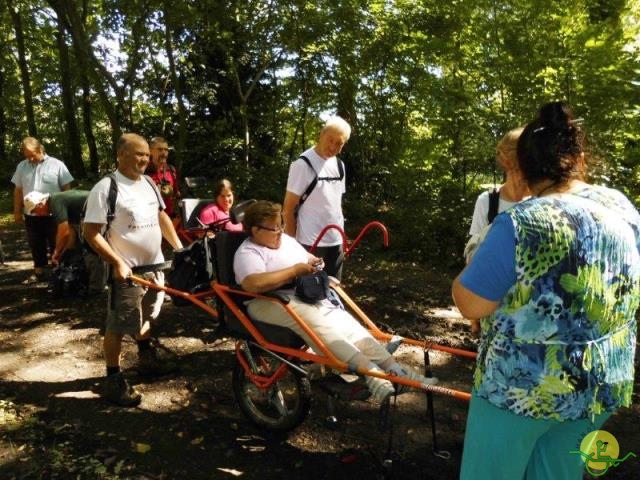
[{"x": 130, "y": 305}]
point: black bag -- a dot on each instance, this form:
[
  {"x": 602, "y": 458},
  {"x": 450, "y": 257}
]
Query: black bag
[
  {"x": 70, "y": 278},
  {"x": 191, "y": 270},
  {"x": 313, "y": 288}
]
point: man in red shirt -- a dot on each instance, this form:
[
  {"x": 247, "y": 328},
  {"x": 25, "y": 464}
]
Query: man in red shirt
[{"x": 163, "y": 174}]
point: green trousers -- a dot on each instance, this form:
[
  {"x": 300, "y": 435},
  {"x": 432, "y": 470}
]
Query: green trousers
[{"x": 500, "y": 445}]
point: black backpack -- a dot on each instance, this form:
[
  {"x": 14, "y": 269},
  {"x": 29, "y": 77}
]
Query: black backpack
[
  {"x": 70, "y": 278},
  {"x": 191, "y": 269}
]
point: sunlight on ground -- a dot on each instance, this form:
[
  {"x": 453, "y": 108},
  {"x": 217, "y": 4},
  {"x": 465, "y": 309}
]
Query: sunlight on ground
[
  {"x": 83, "y": 394},
  {"x": 451, "y": 313},
  {"x": 54, "y": 357}
]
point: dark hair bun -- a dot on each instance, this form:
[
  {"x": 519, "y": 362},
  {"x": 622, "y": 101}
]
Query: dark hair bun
[
  {"x": 556, "y": 116},
  {"x": 551, "y": 146}
]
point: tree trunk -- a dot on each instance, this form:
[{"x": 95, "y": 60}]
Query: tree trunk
[
  {"x": 88, "y": 63},
  {"x": 3, "y": 122},
  {"x": 87, "y": 113},
  {"x": 74, "y": 149},
  {"x": 94, "y": 161},
  {"x": 24, "y": 69},
  {"x": 177, "y": 86}
]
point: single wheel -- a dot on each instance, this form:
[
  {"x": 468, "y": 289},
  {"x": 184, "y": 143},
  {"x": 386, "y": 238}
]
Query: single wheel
[{"x": 283, "y": 406}]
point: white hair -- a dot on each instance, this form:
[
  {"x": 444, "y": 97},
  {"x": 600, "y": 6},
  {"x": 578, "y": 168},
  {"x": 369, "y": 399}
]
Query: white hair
[{"x": 338, "y": 124}]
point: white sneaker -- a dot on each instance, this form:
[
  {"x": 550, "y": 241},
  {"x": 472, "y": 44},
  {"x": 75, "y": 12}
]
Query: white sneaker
[
  {"x": 393, "y": 344},
  {"x": 415, "y": 376},
  {"x": 380, "y": 389}
]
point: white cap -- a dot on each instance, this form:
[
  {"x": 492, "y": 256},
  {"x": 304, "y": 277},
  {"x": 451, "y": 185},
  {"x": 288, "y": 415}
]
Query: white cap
[{"x": 33, "y": 199}]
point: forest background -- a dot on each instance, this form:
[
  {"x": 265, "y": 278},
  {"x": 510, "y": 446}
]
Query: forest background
[{"x": 239, "y": 88}]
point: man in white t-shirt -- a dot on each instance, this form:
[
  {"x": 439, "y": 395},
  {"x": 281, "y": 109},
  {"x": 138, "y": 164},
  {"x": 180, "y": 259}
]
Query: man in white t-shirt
[
  {"x": 323, "y": 205},
  {"x": 131, "y": 240}
]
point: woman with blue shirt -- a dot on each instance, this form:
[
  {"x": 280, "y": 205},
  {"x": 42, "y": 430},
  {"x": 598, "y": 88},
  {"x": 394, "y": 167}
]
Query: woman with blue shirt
[{"x": 556, "y": 284}]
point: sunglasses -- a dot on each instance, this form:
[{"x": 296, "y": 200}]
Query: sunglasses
[{"x": 279, "y": 229}]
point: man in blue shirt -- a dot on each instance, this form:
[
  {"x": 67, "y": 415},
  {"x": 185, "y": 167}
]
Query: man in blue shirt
[{"x": 39, "y": 175}]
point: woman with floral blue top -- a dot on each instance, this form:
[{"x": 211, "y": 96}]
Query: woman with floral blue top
[{"x": 556, "y": 284}]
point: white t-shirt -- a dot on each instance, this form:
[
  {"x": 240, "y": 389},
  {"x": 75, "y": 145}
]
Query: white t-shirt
[
  {"x": 481, "y": 211},
  {"x": 324, "y": 205},
  {"x": 48, "y": 176},
  {"x": 252, "y": 258},
  {"x": 134, "y": 233}
]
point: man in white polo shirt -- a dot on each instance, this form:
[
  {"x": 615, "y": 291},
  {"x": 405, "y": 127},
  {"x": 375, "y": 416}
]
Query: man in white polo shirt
[
  {"x": 37, "y": 175},
  {"x": 308, "y": 210}
]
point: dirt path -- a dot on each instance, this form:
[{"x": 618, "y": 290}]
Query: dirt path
[{"x": 53, "y": 423}]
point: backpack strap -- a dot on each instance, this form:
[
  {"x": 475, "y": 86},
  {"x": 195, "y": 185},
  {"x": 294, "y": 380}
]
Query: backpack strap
[
  {"x": 316, "y": 179},
  {"x": 494, "y": 203},
  {"x": 112, "y": 197},
  {"x": 154, "y": 187},
  {"x": 312, "y": 185},
  {"x": 340, "y": 173}
]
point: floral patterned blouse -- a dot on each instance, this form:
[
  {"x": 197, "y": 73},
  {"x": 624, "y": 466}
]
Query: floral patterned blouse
[{"x": 561, "y": 344}]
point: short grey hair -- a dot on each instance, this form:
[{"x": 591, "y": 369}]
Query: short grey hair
[
  {"x": 31, "y": 143},
  {"x": 125, "y": 139},
  {"x": 338, "y": 124}
]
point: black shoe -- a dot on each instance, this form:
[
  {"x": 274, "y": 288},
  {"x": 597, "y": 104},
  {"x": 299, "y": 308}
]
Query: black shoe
[
  {"x": 118, "y": 391},
  {"x": 150, "y": 364}
]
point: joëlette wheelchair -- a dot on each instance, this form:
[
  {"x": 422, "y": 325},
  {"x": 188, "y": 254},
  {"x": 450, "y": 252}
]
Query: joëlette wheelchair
[{"x": 271, "y": 376}]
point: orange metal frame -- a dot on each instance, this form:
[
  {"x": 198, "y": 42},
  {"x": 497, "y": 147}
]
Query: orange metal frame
[
  {"x": 324, "y": 356},
  {"x": 188, "y": 235}
]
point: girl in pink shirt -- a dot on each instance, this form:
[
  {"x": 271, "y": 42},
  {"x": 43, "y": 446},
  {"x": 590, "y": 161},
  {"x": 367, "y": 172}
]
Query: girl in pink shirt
[{"x": 218, "y": 212}]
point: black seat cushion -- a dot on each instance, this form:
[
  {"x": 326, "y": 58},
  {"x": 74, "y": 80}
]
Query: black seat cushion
[{"x": 226, "y": 244}]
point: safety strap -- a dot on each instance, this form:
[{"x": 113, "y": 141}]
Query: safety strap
[{"x": 316, "y": 179}]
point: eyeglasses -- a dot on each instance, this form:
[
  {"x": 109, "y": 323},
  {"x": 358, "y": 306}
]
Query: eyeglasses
[{"x": 278, "y": 229}]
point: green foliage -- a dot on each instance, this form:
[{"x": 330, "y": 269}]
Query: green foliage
[{"x": 429, "y": 88}]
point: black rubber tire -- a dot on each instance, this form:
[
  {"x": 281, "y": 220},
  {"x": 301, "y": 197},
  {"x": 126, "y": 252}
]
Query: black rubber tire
[{"x": 259, "y": 406}]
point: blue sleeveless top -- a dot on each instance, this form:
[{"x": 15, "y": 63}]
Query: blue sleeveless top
[{"x": 561, "y": 344}]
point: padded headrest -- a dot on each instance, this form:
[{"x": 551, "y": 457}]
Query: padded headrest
[
  {"x": 226, "y": 245},
  {"x": 191, "y": 208},
  {"x": 237, "y": 213}
]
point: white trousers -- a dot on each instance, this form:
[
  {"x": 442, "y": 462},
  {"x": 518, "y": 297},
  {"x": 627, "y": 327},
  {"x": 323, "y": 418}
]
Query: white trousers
[{"x": 343, "y": 335}]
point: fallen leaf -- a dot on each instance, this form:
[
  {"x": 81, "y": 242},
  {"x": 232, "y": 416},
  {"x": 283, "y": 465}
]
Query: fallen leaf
[
  {"x": 142, "y": 447},
  {"x": 197, "y": 441},
  {"x": 235, "y": 473}
]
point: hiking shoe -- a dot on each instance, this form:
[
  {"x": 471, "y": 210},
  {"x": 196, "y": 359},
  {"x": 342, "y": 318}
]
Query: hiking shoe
[
  {"x": 150, "y": 364},
  {"x": 118, "y": 391}
]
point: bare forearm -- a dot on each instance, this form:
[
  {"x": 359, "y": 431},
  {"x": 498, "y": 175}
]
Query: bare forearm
[
  {"x": 169, "y": 231},
  {"x": 267, "y": 281},
  {"x": 471, "y": 306},
  {"x": 290, "y": 203},
  {"x": 65, "y": 239}
]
